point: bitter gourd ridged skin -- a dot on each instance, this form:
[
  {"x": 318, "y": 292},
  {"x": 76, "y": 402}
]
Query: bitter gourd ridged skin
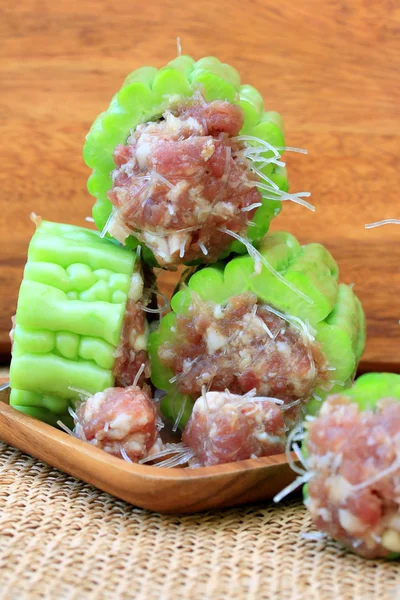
[
  {"x": 333, "y": 311},
  {"x": 146, "y": 94},
  {"x": 69, "y": 317}
]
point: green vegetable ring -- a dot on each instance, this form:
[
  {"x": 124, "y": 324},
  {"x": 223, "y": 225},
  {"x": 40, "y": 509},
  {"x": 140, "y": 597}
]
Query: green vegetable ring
[
  {"x": 69, "y": 317},
  {"x": 308, "y": 289},
  {"x": 370, "y": 388},
  {"x": 147, "y": 93}
]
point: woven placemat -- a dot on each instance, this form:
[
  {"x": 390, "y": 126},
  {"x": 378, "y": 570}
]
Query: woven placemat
[{"x": 63, "y": 539}]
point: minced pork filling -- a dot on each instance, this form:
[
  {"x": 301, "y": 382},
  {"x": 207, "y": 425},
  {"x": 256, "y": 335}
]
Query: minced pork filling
[
  {"x": 181, "y": 178},
  {"x": 225, "y": 427},
  {"x": 242, "y": 346},
  {"x": 354, "y": 494},
  {"x": 122, "y": 421}
]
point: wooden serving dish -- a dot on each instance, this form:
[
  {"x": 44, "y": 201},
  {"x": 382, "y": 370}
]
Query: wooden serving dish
[{"x": 180, "y": 490}]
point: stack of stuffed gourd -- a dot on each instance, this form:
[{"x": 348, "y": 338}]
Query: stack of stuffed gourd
[
  {"x": 186, "y": 164},
  {"x": 187, "y": 170}
]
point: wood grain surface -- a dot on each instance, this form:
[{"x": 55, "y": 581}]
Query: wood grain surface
[{"x": 330, "y": 68}]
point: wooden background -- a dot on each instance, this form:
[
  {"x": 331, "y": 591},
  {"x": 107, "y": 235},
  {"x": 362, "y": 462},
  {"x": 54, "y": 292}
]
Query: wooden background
[{"x": 330, "y": 68}]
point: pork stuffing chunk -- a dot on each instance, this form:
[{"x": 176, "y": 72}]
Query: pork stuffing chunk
[
  {"x": 122, "y": 421},
  {"x": 354, "y": 494},
  {"x": 179, "y": 179}
]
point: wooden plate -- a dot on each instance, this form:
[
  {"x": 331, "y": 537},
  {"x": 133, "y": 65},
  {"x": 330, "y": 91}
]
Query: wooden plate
[{"x": 165, "y": 490}]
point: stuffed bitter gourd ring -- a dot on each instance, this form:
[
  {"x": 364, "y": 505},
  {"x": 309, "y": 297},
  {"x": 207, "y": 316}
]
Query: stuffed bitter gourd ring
[
  {"x": 79, "y": 321},
  {"x": 169, "y": 166},
  {"x": 236, "y": 326},
  {"x": 352, "y": 454}
]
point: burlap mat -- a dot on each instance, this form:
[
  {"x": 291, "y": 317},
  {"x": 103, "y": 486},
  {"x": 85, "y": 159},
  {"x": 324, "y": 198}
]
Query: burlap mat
[{"x": 62, "y": 539}]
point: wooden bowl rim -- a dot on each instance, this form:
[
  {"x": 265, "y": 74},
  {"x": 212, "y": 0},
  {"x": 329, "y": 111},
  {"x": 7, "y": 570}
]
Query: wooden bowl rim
[{"x": 62, "y": 438}]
